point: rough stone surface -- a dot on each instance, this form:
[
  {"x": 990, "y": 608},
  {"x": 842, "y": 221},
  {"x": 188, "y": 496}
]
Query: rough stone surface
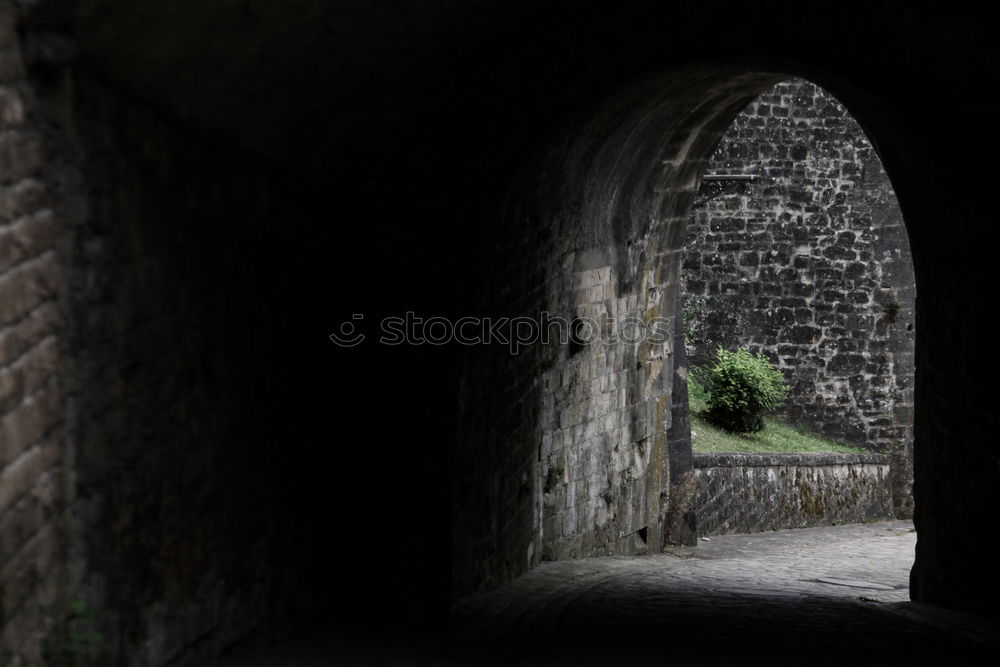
[
  {"x": 803, "y": 264},
  {"x": 175, "y": 469},
  {"x": 749, "y": 493},
  {"x": 34, "y": 498},
  {"x": 586, "y": 426}
]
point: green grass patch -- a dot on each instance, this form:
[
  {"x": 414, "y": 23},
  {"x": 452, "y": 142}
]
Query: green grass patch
[{"x": 775, "y": 437}]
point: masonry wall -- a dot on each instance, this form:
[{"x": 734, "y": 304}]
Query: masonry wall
[
  {"x": 809, "y": 264},
  {"x": 573, "y": 442},
  {"x": 179, "y": 459},
  {"x": 34, "y": 493},
  {"x": 751, "y": 493},
  {"x": 189, "y": 489},
  {"x": 171, "y": 545}
]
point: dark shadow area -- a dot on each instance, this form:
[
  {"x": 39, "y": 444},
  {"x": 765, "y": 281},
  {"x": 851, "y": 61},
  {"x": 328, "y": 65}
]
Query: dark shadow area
[
  {"x": 234, "y": 180},
  {"x": 746, "y": 599},
  {"x": 706, "y": 629}
]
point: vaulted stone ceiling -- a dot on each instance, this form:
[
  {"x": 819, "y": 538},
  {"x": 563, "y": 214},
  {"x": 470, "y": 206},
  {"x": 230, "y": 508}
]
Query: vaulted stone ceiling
[
  {"x": 291, "y": 79},
  {"x": 307, "y": 82}
]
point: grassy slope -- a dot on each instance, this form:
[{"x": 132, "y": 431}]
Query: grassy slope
[{"x": 776, "y": 436}]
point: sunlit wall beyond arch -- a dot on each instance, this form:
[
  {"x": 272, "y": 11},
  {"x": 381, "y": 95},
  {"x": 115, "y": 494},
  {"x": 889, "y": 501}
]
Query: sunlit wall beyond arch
[{"x": 796, "y": 248}]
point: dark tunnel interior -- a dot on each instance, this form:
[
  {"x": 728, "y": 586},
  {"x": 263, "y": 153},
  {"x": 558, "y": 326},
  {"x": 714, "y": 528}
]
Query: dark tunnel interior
[{"x": 231, "y": 181}]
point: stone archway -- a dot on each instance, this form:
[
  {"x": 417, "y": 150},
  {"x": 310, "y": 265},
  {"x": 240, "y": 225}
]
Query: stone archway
[{"x": 605, "y": 208}]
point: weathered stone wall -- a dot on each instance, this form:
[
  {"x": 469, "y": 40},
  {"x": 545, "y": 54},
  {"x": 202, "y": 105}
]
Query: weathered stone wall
[
  {"x": 750, "y": 493},
  {"x": 803, "y": 264},
  {"x": 34, "y": 497},
  {"x": 153, "y": 247},
  {"x": 167, "y": 421},
  {"x": 572, "y": 441}
]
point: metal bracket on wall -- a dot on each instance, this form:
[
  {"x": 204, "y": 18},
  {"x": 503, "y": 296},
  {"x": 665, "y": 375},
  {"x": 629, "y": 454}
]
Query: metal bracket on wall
[{"x": 730, "y": 177}]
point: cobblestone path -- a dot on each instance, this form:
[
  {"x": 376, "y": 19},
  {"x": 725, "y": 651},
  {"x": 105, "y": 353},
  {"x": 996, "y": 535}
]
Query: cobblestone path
[{"x": 818, "y": 596}]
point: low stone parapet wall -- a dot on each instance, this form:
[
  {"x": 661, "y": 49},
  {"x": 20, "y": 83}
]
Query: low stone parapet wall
[{"x": 748, "y": 493}]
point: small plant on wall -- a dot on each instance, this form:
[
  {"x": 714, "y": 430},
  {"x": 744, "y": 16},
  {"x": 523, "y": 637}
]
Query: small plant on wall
[
  {"x": 892, "y": 309},
  {"x": 75, "y": 639},
  {"x": 553, "y": 478},
  {"x": 742, "y": 388},
  {"x": 693, "y": 326}
]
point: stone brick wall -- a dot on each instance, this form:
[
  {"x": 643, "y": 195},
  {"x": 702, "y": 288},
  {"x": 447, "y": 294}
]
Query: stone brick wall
[
  {"x": 803, "y": 264},
  {"x": 751, "y": 493},
  {"x": 571, "y": 442},
  {"x": 602, "y": 451},
  {"x": 179, "y": 549},
  {"x": 33, "y": 477},
  {"x": 139, "y": 473}
]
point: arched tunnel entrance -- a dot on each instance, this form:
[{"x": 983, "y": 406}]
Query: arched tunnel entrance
[
  {"x": 191, "y": 465},
  {"x": 612, "y": 457},
  {"x": 600, "y": 428}
]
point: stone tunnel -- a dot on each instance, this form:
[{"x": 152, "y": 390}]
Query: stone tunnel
[{"x": 194, "y": 196}]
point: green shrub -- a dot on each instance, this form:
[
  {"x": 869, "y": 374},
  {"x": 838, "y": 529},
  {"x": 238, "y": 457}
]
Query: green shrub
[{"x": 742, "y": 386}]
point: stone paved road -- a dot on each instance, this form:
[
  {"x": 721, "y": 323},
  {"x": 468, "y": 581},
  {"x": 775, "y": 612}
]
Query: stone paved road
[{"x": 732, "y": 600}]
